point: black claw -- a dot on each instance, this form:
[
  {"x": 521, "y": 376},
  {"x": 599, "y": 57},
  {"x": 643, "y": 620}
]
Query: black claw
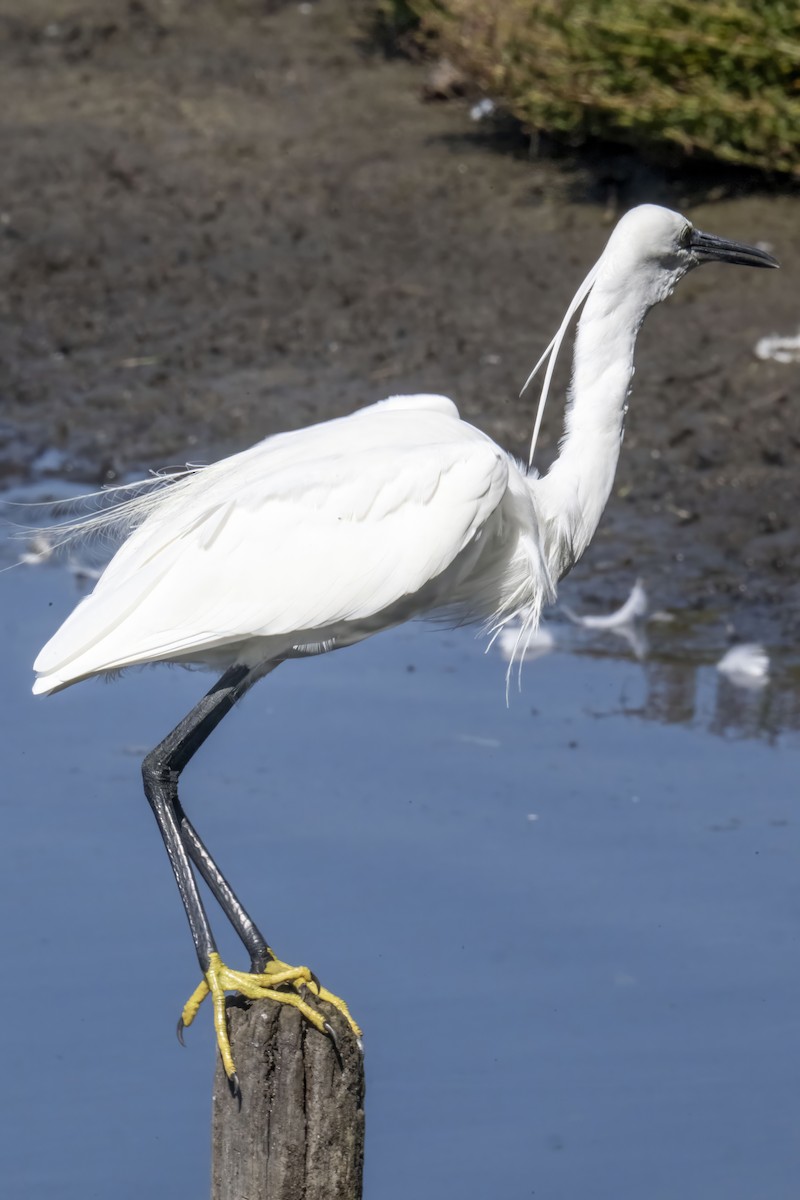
[
  {"x": 235, "y": 1090},
  {"x": 316, "y": 982},
  {"x": 335, "y": 1043},
  {"x": 180, "y": 1030}
]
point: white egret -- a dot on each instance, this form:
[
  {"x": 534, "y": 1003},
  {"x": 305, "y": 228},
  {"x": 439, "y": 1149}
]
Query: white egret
[{"x": 316, "y": 539}]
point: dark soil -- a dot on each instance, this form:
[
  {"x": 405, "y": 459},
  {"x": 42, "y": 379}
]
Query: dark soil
[{"x": 218, "y": 220}]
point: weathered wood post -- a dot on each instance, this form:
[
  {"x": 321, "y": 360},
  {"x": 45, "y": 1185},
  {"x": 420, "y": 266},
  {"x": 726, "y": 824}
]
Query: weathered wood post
[{"x": 298, "y": 1133}]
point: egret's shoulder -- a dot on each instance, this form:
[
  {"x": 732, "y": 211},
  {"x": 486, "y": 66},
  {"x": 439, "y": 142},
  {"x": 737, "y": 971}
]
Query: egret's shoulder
[
  {"x": 424, "y": 401},
  {"x": 390, "y": 428}
]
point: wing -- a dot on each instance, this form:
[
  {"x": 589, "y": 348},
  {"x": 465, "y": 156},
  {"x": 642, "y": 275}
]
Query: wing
[{"x": 332, "y": 524}]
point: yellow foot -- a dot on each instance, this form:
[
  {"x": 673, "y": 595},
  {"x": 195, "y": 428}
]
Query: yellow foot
[{"x": 220, "y": 979}]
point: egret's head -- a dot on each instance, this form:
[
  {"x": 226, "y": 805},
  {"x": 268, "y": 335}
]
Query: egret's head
[
  {"x": 656, "y": 247},
  {"x": 650, "y": 249}
]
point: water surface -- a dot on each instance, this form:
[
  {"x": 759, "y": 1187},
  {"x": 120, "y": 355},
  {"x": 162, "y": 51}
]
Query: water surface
[{"x": 569, "y": 926}]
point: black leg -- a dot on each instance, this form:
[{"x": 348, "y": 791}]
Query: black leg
[
  {"x": 161, "y": 770},
  {"x": 249, "y": 933}
]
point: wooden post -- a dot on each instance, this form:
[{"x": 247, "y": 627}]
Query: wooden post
[{"x": 299, "y": 1131}]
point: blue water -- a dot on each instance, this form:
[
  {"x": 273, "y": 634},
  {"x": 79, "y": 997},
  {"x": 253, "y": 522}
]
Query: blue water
[{"x": 569, "y": 927}]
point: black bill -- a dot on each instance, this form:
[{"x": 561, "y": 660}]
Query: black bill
[{"x": 709, "y": 248}]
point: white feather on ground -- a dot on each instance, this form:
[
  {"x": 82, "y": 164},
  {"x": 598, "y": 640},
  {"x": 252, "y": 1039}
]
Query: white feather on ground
[
  {"x": 634, "y": 609},
  {"x": 778, "y": 349},
  {"x": 745, "y": 665}
]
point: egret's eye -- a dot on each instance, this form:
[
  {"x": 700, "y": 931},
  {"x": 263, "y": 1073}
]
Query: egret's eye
[{"x": 685, "y": 239}]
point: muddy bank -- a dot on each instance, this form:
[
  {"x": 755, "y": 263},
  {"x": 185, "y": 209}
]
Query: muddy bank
[{"x": 220, "y": 220}]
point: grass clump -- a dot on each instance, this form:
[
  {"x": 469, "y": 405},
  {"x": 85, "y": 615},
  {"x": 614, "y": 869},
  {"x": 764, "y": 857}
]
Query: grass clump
[{"x": 712, "y": 77}]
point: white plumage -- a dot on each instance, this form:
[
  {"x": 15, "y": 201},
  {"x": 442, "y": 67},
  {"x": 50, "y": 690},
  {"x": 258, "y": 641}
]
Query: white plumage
[{"x": 312, "y": 539}]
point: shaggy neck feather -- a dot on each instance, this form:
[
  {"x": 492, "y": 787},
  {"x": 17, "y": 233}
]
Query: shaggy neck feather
[{"x": 570, "y": 499}]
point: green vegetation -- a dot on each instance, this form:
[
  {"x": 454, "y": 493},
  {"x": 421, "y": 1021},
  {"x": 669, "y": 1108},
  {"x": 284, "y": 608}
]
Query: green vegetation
[{"x": 712, "y": 77}]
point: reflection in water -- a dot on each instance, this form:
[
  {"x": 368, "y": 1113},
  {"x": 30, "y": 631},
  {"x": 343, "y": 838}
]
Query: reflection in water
[
  {"x": 540, "y": 641},
  {"x": 743, "y": 712},
  {"x": 679, "y": 692},
  {"x": 635, "y": 639},
  {"x": 736, "y": 699},
  {"x": 671, "y": 693}
]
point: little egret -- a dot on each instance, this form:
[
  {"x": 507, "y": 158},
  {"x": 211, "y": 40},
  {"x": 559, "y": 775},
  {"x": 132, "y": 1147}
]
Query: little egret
[{"x": 318, "y": 538}]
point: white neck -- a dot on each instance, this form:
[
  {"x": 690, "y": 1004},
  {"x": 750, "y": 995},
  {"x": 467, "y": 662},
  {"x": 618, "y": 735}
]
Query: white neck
[{"x": 570, "y": 499}]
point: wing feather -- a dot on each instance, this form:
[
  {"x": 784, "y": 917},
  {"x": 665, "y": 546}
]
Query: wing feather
[{"x": 333, "y": 524}]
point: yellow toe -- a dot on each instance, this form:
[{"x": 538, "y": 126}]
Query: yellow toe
[{"x": 278, "y": 981}]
